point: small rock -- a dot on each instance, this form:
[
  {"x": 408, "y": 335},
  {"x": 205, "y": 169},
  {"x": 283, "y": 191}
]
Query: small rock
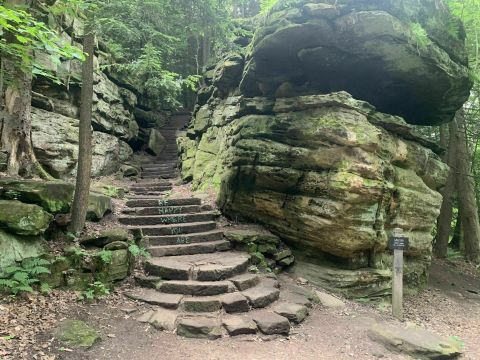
[
  {"x": 270, "y": 323},
  {"x": 237, "y": 325},
  {"x": 416, "y": 342},
  {"x": 302, "y": 281},
  {"x": 163, "y": 320},
  {"x": 76, "y": 333},
  {"x": 329, "y": 301},
  {"x": 285, "y": 253}
]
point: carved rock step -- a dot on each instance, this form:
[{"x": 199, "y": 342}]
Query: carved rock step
[
  {"x": 175, "y": 229},
  {"x": 200, "y": 328},
  {"x": 167, "y": 219},
  {"x": 196, "y": 288},
  {"x": 261, "y": 295},
  {"x": 153, "y": 297},
  {"x": 270, "y": 323},
  {"x": 163, "y": 202},
  {"x": 201, "y": 267},
  {"x": 158, "y": 171},
  {"x": 160, "y": 176},
  {"x": 164, "y": 210},
  {"x": 159, "y": 187},
  {"x": 239, "y": 325},
  {"x": 201, "y": 304},
  {"x": 189, "y": 249},
  {"x": 163, "y": 164},
  {"x": 152, "y": 182},
  {"x": 214, "y": 235}
]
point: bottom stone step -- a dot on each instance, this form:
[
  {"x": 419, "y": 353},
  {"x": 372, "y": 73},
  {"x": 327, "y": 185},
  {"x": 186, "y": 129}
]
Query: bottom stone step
[
  {"x": 153, "y": 297},
  {"x": 270, "y": 323},
  {"x": 200, "y": 328}
]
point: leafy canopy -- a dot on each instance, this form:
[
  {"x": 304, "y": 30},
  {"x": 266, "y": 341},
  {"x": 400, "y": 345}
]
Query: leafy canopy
[{"x": 21, "y": 36}]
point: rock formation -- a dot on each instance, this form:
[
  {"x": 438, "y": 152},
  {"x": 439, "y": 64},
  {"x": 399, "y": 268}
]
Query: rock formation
[{"x": 278, "y": 135}]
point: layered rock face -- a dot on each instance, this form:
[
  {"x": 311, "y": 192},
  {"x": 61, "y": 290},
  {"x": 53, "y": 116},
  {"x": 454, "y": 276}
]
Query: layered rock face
[{"x": 330, "y": 174}]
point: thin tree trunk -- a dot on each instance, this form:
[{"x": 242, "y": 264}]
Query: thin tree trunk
[
  {"x": 82, "y": 188},
  {"x": 444, "y": 222},
  {"x": 466, "y": 194},
  {"x": 457, "y": 238}
]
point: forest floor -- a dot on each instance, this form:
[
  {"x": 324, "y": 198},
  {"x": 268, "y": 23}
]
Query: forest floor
[{"x": 450, "y": 306}]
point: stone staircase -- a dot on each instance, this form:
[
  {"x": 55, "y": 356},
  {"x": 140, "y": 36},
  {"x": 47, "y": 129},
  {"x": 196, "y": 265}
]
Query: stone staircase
[{"x": 196, "y": 285}]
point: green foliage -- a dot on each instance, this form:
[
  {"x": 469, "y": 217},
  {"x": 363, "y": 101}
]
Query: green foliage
[
  {"x": 113, "y": 191},
  {"x": 138, "y": 251},
  {"x": 106, "y": 256},
  {"x": 22, "y": 278},
  {"x": 27, "y": 36},
  {"x": 266, "y": 5},
  {"x": 94, "y": 291},
  {"x": 420, "y": 36}
]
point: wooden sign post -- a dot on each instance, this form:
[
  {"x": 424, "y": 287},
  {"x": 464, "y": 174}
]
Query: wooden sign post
[{"x": 398, "y": 243}]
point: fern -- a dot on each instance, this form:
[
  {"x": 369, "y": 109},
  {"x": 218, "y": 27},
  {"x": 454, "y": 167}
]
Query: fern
[
  {"x": 22, "y": 278},
  {"x": 106, "y": 256}
]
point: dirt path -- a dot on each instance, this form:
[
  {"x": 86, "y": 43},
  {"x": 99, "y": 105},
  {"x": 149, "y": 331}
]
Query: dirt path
[{"x": 326, "y": 334}]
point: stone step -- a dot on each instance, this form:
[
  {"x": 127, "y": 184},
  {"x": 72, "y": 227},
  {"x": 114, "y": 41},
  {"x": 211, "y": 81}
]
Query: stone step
[
  {"x": 165, "y": 176},
  {"x": 160, "y": 187},
  {"x": 200, "y": 328},
  {"x": 261, "y": 295},
  {"x": 143, "y": 182},
  {"x": 151, "y": 202},
  {"x": 164, "y": 210},
  {"x": 196, "y": 288},
  {"x": 158, "y": 170},
  {"x": 239, "y": 325},
  {"x": 153, "y": 297},
  {"x": 167, "y": 219},
  {"x": 189, "y": 249},
  {"x": 176, "y": 229},
  {"x": 271, "y": 323},
  {"x": 150, "y": 193},
  {"x": 245, "y": 281},
  {"x": 199, "y": 267},
  {"x": 159, "y": 164},
  {"x": 214, "y": 235},
  {"x": 201, "y": 304}
]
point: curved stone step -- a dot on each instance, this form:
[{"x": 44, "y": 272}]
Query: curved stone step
[
  {"x": 202, "y": 304},
  {"x": 153, "y": 297},
  {"x": 164, "y": 210},
  {"x": 159, "y": 171},
  {"x": 196, "y": 288},
  {"x": 167, "y": 219},
  {"x": 261, "y": 295},
  {"x": 189, "y": 249},
  {"x": 200, "y": 328},
  {"x": 184, "y": 239},
  {"x": 150, "y": 202},
  {"x": 201, "y": 267},
  {"x": 150, "y": 187},
  {"x": 176, "y": 229}
]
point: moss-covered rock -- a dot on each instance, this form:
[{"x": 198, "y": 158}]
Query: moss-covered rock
[
  {"x": 77, "y": 334},
  {"x": 156, "y": 142},
  {"x": 23, "y": 219},
  {"x": 54, "y": 197},
  {"x": 15, "y": 248},
  {"x": 363, "y": 47},
  {"x": 106, "y": 237}
]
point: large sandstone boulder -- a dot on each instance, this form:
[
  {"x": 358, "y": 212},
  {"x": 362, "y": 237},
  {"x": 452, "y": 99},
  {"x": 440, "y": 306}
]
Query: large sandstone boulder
[
  {"x": 55, "y": 140},
  {"x": 55, "y": 197},
  {"x": 15, "y": 248},
  {"x": 23, "y": 219},
  {"x": 327, "y": 173},
  {"x": 401, "y": 56}
]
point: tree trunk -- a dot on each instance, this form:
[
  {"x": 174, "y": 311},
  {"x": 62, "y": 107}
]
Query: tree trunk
[
  {"x": 457, "y": 238},
  {"x": 444, "y": 222},
  {"x": 466, "y": 194},
  {"x": 82, "y": 187},
  {"x": 16, "y": 137}
]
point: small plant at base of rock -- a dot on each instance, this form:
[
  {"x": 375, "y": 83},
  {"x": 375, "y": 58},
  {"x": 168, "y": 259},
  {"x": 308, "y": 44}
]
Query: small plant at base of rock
[
  {"x": 22, "y": 278},
  {"x": 106, "y": 256},
  {"x": 94, "y": 291},
  {"x": 113, "y": 191},
  {"x": 138, "y": 251}
]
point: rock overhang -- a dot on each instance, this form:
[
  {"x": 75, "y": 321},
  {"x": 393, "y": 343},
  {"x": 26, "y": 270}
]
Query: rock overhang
[{"x": 376, "y": 51}]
